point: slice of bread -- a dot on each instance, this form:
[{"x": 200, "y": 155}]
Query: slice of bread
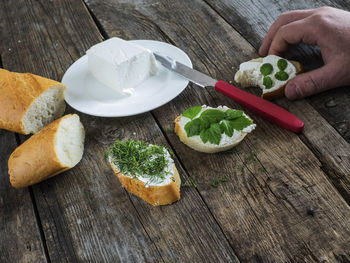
[
  {"x": 29, "y": 102},
  {"x": 136, "y": 159},
  {"x": 197, "y": 144},
  {"x": 153, "y": 194},
  {"x": 249, "y": 75},
  {"x": 54, "y": 149}
]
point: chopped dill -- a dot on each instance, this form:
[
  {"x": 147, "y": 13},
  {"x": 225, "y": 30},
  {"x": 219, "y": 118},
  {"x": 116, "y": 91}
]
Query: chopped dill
[
  {"x": 217, "y": 181},
  {"x": 190, "y": 182},
  {"x": 137, "y": 158},
  {"x": 240, "y": 167},
  {"x": 252, "y": 156},
  {"x": 262, "y": 169}
]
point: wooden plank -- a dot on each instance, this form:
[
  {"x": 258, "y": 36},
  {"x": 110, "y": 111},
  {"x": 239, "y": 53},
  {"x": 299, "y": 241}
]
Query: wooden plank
[
  {"x": 19, "y": 233},
  {"x": 249, "y": 21},
  {"x": 85, "y": 213},
  {"x": 264, "y": 209},
  {"x": 333, "y": 105},
  {"x": 320, "y": 137}
]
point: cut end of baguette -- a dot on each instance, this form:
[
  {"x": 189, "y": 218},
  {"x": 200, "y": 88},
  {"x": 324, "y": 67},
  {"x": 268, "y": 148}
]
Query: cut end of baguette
[
  {"x": 69, "y": 141},
  {"x": 46, "y": 108},
  {"x": 154, "y": 195}
]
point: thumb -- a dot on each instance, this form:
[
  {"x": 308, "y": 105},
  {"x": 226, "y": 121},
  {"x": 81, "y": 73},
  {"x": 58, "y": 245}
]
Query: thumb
[{"x": 311, "y": 83}]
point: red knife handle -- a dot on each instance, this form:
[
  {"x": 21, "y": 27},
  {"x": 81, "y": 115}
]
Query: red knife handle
[{"x": 259, "y": 106}]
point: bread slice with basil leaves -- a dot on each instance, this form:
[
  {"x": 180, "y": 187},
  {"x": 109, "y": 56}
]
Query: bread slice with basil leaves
[
  {"x": 211, "y": 130},
  {"x": 270, "y": 73},
  {"x": 145, "y": 170}
]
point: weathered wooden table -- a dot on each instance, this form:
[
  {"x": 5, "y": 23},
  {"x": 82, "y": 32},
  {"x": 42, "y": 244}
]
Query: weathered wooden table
[{"x": 286, "y": 198}]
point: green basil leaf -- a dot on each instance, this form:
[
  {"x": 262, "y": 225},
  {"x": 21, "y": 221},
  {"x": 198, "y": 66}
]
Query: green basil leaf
[
  {"x": 267, "y": 82},
  {"x": 204, "y": 124},
  {"x": 226, "y": 127},
  {"x": 192, "y": 112},
  {"x": 266, "y": 69},
  {"x": 281, "y": 75},
  {"x": 213, "y": 134},
  {"x": 233, "y": 114},
  {"x": 282, "y": 64},
  {"x": 213, "y": 115},
  {"x": 241, "y": 123},
  {"x": 192, "y": 128}
]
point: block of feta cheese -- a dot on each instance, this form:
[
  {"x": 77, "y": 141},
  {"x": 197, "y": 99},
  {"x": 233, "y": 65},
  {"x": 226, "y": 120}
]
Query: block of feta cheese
[{"x": 120, "y": 64}]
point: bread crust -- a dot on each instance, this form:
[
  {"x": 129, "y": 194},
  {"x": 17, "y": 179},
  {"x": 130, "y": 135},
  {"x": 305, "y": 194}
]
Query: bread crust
[
  {"x": 154, "y": 195},
  {"x": 35, "y": 160},
  {"x": 201, "y": 147},
  {"x": 17, "y": 92}
]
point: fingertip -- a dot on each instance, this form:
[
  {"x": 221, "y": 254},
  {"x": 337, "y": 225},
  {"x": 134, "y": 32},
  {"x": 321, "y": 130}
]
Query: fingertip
[
  {"x": 292, "y": 91},
  {"x": 262, "y": 51}
]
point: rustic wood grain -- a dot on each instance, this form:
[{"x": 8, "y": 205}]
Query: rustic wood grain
[
  {"x": 19, "y": 233},
  {"x": 253, "y": 19},
  {"x": 264, "y": 208},
  {"x": 333, "y": 105},
  {"x": 320, "y": 137},
  {"x": 85, "y": 213}
]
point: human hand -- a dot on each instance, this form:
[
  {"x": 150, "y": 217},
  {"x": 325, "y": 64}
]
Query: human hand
[{"x": 326, "y": 27}]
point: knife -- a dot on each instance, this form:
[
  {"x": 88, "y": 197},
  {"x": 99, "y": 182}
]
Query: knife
[{"x": 257, "y": 105}]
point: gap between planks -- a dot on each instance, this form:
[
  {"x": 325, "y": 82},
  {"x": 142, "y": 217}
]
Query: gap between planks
[
  {"x": 36, "y": 212},
  {"x": 227, "y": 22}
]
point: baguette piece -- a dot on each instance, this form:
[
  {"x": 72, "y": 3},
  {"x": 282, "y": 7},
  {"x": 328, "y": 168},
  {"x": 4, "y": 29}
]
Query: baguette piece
[
  {"x": 54, "y": 149},
  {"x": 153, "y": 190},
  {"x": 249, "y": 74},
  {"x": 195, "y": 142},
  {"x": 153, "y": 194},
  {"x": 29, "y": 102}
]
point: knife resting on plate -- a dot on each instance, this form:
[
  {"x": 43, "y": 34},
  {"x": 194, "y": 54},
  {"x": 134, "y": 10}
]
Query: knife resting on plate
[{"x": 259, "y": 106}]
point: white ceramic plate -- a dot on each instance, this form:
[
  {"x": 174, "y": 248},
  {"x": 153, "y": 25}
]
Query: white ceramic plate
[{"x": 86, "y": 94}]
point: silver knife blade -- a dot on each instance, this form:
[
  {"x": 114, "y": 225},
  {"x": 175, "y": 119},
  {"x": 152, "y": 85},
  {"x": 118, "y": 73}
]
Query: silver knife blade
[{"x": 191, "y": 74}]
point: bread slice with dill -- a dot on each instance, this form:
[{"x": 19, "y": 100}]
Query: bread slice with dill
[
  {"x": 270, "y": 73},
  {"x": 145, "y": 170},
  {"x": 29, "y": 102},
  {"x": 211, "y": 130}
]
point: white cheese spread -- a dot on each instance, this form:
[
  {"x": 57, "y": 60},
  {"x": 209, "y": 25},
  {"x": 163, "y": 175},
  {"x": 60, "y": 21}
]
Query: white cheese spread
[
  {"x": 121, "y": 65},
  {"x": 249, "y": 73}
]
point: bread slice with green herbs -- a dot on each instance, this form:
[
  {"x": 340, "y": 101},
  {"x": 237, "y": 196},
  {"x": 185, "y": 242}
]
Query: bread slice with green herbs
[
  {"x": 145, "y": 170},
  {"x": 270, "y": 73},
  {"x": 211, "y": 130}
]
